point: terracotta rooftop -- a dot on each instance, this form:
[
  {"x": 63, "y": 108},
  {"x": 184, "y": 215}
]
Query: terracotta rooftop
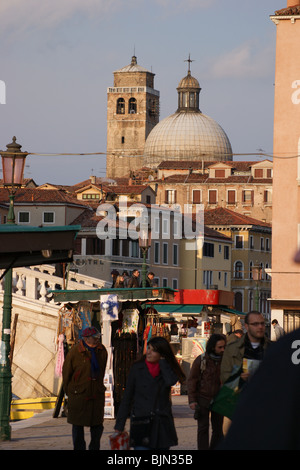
[
  {"x": 223, "y": 216},
  {"x": 200, "y": 178},
  {"x": 34, "y": 195},
  {"x": 185, "y": 165},
  {"x": 289, "y": 11}
]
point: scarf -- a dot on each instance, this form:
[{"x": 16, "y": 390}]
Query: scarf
[
  {"x": 94, "y": 361},
  {"x": 153, "y": 368},
  {"x": 214, "y": 357}
]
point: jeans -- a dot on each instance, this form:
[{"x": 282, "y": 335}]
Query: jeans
[
  {"x": 78, "y": 437},
  {"x": 203, "y": 428}
]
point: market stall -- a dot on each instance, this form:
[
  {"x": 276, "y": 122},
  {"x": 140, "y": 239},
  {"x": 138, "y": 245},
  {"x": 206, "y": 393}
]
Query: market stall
[
  {"x": 122, "y": 321},
  {"x": 196, "y": 314}
]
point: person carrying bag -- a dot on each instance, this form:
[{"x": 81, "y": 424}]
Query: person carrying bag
[{"x": 147, "y": 398}]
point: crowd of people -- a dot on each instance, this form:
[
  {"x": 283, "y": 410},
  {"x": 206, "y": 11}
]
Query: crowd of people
[
  {"x": 123, "y": 280},
  {"x": 147, "y": 396}
]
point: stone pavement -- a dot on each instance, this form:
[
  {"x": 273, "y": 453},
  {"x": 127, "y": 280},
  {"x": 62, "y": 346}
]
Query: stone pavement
[{"x": 43, "y": 432}]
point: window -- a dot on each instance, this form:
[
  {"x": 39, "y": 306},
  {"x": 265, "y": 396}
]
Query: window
[
  {"x": 238, "y": 270},
  {"x": 165, "y": 282},
  {"x": 231, "y": 196},
  {"x": 251, "y": 270},
  {"x": 116, "y": 247},
  {"x": 48, "y": 218},
  {"x": 268, "y": 277},
  {"x": 132, "y": 106},
  {"x": 91, "y": 196},
  {"x": 196, "y": 196},
  {"x": 156, "y": 225},
  {"x": 23, "y": 217},
  {"x": 123, "y": 140},
  {"x": 219, "y": 173},
  {"x": 95, "y": 246},
  {"x": 267, "y": 196},
  {"x": 175, "y": 283},
  {"x": 170, "y": 196},
  {"x": 121, "y": 106},
  {"x": 239, "y": 241},
  {"x": 208, "y": 249},
  {"x": 269, "y": 173},
  {"x": 135, "y": 251},
  {"x": 212, "y": 196},
  {"x": 262, "y": 244},
  {"x": 268, "y": 248},
  {"x": 165, "y": 226},
  {"x": 238, "y": 301},
  {"x": 125, "y": 247},
  {"x": 248, "y": 196},
  {"x": 225, "y": 279},
  {"x": 207, "y": 278},
  {"x": 226, "y": 252},
  {"x": 156, "y": 252},
  {"x": 258, "y": 173},
  {"x": 175, "y": 255},
  {"x": 251, "y": 243},
  {"x": 165, "y": 253}
]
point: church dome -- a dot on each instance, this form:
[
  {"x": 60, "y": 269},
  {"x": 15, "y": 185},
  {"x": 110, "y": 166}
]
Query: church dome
[{"x": 188, "y": 134}]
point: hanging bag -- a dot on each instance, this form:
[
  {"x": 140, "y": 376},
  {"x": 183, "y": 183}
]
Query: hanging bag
[{"x": 119, "y": 441}]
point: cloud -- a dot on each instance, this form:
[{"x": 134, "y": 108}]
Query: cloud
[
  {"x": 19, "y": 16},
  {"x": 247, "y": 60}
]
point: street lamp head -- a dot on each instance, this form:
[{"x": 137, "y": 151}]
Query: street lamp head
[
  {"x": 257, "y": 272},
  {"x": 145, "y": 237},
  {"x": 13, "y": 162}
]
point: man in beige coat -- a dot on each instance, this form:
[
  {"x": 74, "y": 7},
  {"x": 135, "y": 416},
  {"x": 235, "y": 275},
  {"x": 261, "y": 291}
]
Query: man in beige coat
[{"x": 83, "y": 374}]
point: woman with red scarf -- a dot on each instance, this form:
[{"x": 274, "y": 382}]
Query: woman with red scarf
[{"x": 148, "y": 394}]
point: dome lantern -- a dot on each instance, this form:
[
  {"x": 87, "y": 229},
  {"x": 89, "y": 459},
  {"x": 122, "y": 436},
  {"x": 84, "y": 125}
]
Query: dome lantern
[{"x": 188, "y": 92}]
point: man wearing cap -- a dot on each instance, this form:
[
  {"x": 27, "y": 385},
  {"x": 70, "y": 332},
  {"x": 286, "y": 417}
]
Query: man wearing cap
[{"x": 83, "y": 374}]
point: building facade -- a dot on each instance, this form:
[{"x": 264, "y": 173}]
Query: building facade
[
  {"x": 245, "y": 187},
  {"x": 285, "y": 301},
  {"x": 251, "y": 252}
]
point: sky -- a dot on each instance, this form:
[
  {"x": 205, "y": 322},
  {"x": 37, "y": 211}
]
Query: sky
[{"x": 58, "y": 57}]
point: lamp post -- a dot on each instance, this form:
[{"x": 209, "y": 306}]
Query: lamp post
[
  {"x": 256, "y": 274},
  {"x": 13, "y": 162},
  {"x": 144, "y": 244}
]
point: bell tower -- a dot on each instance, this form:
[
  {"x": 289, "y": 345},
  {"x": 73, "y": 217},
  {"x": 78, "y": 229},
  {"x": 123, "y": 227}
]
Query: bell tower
[
  {"x": 132, "y": 112},
  {"x": 285, "y": 302}
]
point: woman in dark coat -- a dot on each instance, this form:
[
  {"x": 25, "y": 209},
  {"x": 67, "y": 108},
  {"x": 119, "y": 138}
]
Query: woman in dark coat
[
  {"x": 148, "y": 389},
  {"x": 83, "y": 373}
]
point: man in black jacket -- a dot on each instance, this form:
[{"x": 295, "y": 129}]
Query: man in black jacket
[{"x": 268, "y": 414}]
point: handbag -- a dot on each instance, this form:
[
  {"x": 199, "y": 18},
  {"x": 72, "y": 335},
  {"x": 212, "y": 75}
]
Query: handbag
[
  {"x": 119, "y": 441},
  {"x": 140, "y": 430},
  {"x": 141, "y": 427}
]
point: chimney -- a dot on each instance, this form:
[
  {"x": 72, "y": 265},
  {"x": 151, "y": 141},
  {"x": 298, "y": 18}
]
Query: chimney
[{"x": 93, "y": 179}]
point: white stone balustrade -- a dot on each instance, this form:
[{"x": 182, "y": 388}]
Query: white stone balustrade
[
  {"x": 36, "y": 282},
  {"x": 35, "y": 346}
]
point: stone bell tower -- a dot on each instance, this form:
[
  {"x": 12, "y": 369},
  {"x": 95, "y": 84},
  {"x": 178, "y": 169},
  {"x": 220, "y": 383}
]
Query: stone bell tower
[{"x": 132, "y": 112}]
